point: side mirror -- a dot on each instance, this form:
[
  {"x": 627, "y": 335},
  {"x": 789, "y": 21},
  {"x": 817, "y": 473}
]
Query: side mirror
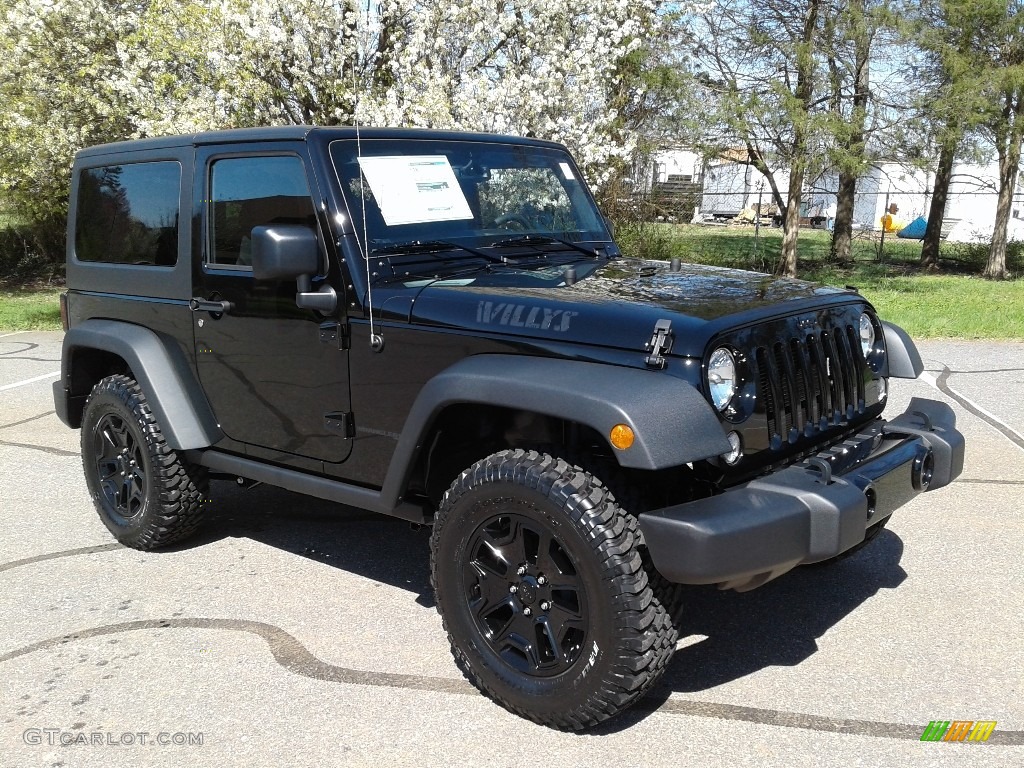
[
  {"x": 284, "y": 252},
  {"x": 291, "y": 252}
]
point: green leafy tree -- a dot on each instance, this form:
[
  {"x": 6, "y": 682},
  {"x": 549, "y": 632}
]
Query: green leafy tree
[
  {"x": 975, "y": 53},
  {"x": 865, "y": 117},
  {"x": 1001, "y": 62},
  {"x": 952, "y": 106},
  {"x": 58, "y": 75},
  {"x": 81, "y": 72},
  {"x": 758, "y": 67}
]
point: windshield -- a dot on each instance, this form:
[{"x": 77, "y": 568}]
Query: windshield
[{"x": 464, "y": 194}]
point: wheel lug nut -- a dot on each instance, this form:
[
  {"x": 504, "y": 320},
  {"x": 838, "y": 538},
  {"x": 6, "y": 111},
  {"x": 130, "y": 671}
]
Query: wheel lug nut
[
  {"x": 541, "y": 580},
  {"x": 513, "y": 589},
  {"x": 545, "y": 606},
  {"x": 521, "y": 570},
  {"x": 527, "y": 611}
]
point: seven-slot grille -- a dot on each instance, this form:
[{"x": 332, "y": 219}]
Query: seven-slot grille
[{"x": 811, "y": 383}]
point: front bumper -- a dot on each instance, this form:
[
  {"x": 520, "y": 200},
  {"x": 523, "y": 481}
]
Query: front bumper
[{"x": 808, "y": 512}]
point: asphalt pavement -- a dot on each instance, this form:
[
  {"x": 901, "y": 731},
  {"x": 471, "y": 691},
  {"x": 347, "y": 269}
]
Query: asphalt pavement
[{"x": 293, "y": 632}]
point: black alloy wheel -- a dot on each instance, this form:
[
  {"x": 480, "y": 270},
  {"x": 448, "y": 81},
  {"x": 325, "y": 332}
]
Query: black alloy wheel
[
  {"x": 146, "y": 493},
  {"x": 120, "y": 467},
  {"x": 525, "y": 594},
  {"x": 541, "y": 586}
]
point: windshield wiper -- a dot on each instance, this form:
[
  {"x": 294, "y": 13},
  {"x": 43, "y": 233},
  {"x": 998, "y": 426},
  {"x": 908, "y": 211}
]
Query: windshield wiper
[
  {"x": 430, "y": 276},
  {"x": 545, "y": 240},
  {"x": 429, "y": 247}
]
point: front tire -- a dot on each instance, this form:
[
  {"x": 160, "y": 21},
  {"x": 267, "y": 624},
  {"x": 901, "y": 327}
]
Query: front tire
[
  {"x": 145, "y": 493},
  {"x": 543, "y": 593}
]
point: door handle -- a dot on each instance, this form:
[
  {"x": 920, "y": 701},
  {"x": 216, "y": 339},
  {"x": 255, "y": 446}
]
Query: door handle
[{"x": 213, "y": 307}]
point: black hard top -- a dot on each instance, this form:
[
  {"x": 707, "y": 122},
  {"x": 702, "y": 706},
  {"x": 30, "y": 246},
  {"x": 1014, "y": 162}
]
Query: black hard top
[{"x": 298, "y": 133}]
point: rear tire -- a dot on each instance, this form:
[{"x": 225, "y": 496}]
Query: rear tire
[
  {"x": 146, "y": 494},
  {"x": 543, "y": 592}
]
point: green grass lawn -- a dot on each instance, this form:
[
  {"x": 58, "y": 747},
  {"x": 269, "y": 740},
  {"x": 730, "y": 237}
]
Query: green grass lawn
[
  {"x": 739, "y": 246},
  {"x": 30, "y": 309},
  {"x": 940, "y": 306},
  {"x": 961, "y": 306},
  {"x": 955, "y": 304}
]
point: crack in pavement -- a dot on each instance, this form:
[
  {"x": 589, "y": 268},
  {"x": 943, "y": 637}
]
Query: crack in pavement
[
  {"x": 1010, "y": 434},
  {"x": 989, "y": 482},
  {"x": 26, "y": 346},
  {"x": 42, "y": 448},
  {"x": 967, "y": 373},
  {"x": 32, "y": 446},
  {"x": 294, "y": 657},
  {"x": 26, "y": 421},
  {"x": 63, "y": 553}
]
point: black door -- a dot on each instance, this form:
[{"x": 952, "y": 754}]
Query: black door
[{"x": 274, "y": 374}]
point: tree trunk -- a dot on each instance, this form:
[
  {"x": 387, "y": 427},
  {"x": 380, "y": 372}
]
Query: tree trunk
[
  {"x": 791, "y": 222},
  {"x": 937, "y": 211},
  {"x": 842, "y": 234},
  {"x": 1008, "y": 147},
  {"x": 756, "y": 159},
  {"x": 1009, "y": 162},
  {"x": 798, "y": 163},
  {"x": 856, "y": 144}
]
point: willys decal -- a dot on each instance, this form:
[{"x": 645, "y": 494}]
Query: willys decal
[{"x": 524, "y": 316}]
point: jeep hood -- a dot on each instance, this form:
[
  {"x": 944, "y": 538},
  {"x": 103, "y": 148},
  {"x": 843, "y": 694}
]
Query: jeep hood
[{"x": 618, "y": 304}]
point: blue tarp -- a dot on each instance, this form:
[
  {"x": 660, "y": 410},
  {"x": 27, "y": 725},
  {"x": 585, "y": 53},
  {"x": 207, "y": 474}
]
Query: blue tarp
[{"x": 914, "y": 230}]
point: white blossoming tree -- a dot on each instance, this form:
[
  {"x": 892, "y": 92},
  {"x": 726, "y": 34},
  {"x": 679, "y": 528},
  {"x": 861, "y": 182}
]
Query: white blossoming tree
[{"x": 76, "y": 72}]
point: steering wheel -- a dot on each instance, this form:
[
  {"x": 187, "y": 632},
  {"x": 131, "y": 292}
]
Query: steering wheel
[{"x": 517, "y": 220}]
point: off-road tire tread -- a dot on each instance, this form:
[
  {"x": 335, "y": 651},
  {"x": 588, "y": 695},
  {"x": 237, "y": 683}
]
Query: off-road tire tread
[
  {"x": 632, "y": 499},
  {"x": 182, "y": 485},
  {"x": 646, "y": 632}
]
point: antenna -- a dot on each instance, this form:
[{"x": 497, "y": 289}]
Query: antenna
[{"x": 376, "y": 340}]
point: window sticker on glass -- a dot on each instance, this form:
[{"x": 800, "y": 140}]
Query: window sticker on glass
[
  {"x": 567, "y": 171},
  {"x": 415, "y": 189}
]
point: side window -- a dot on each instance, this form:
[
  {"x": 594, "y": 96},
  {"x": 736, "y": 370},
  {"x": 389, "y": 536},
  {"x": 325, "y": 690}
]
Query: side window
[
  {"x": 247, "y": 192},
  {"x": 128, "y": 214}
]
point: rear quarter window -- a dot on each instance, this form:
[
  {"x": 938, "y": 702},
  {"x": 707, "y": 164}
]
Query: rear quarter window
[{"x": 129, "y": 214}]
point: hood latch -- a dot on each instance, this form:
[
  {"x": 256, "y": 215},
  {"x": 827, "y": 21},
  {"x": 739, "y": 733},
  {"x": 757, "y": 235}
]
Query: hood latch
[{"x": 660, "y": 344}]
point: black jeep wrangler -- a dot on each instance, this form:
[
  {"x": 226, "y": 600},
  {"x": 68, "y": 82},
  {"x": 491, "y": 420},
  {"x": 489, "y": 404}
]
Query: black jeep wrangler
[{"x": 439, "y": 326}]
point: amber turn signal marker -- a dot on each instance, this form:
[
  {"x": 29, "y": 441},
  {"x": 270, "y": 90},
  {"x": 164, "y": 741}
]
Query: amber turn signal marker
[{"x": 621, "y": 436}]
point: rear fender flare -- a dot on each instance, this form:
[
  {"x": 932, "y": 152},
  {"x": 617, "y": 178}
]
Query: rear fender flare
[{"x": 163, "y": 373}]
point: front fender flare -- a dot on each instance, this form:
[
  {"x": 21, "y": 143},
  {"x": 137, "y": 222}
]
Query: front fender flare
[
  {"x": 901, "y": 352},
  {"x": 163, "y": 373},
  {"x": 672, "y": 421}
]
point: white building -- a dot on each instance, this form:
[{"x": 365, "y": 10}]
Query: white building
[
  {"x": 678, "y": 164},
  {"x": 884, "y": 184},
  {"x": 731, "y": 185}
]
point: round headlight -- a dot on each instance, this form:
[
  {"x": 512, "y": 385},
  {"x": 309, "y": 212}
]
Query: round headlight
[
  {"x": 867, "y": 335},
  {"x": 721, "y": 377}
]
